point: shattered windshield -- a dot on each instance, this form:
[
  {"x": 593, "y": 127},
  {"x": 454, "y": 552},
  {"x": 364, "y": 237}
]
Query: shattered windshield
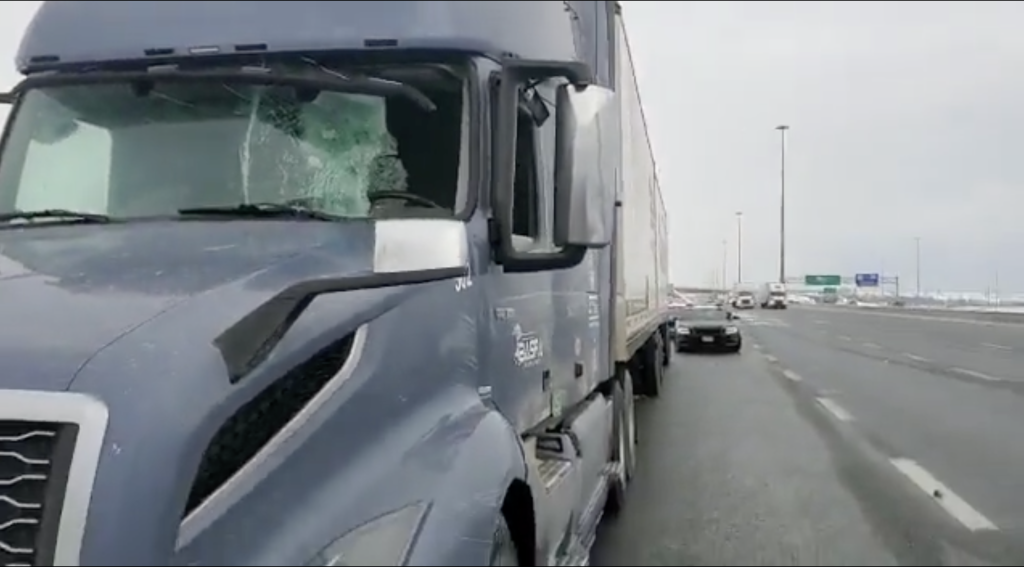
[{"x": 126, "y": 150}]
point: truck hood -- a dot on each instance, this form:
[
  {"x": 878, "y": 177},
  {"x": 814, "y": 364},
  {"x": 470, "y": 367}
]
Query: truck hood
[{"x": 66, "y": 292}]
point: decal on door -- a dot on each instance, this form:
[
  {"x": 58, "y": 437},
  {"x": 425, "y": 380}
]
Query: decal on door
[
  {"x": 529, "y": 350},
  {"x": 594, "y": 309}
]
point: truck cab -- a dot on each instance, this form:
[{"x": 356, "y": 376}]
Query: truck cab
[
  {"x": 743, "y": 298},
  {"x": 315, "y": 283}
]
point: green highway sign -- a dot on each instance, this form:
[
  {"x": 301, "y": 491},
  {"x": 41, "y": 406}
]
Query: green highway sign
[{"x": 823, "y": 280}]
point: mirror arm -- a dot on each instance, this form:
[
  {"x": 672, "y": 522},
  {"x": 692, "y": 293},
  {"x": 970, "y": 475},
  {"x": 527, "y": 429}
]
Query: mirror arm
[
  {"x": 7, "y": 98},
  {"x": 514, "y": 73}
]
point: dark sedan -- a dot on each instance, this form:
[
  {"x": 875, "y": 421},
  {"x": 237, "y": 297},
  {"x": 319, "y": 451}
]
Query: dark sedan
[{"x": 707, "y": 329}]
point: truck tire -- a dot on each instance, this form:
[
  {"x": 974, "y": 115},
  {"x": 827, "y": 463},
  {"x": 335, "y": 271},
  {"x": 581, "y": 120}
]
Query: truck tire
[
  {"x": 654, "y": 370},
  {"x": 666, "y": 347},
  {"x": 629, "y": 393},
  {"x": 503, "y": 550},
  {"x": 623, "y": 441}
]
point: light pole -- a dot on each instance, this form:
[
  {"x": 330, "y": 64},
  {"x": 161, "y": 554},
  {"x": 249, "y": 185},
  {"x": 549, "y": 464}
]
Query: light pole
[
  {"x": 782, "y": 206},
  {"x": 725, "y": 261},
  {"x": 917, "y": 261},
  {"x": 739, "y": 247}
]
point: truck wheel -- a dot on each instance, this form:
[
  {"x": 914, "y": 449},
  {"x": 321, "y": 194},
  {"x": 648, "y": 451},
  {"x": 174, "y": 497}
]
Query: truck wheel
[
  {"x": 503, "y": 551},
  {"x": 667, "y": 348},
  {"x": 633, "y": 434},
  {"x": 654, "y": 370},
  {"x": 623, "y": 447}
]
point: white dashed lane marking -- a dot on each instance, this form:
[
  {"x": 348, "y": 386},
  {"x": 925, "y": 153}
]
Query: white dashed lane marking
[
  {"x": 975, "y": 374},
  {"x": 940, "y": 493},
  {"x": 835, "y": 409},
  {"x": 955, "y": 506},
  {"x": 792, "y": 375},
  {"x": 996, "y": 347}
]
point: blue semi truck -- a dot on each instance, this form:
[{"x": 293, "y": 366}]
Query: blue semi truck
[{"x": 324, "y": 283}]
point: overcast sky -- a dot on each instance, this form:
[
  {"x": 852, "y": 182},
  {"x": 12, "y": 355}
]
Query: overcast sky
[{"x": 906, "y": 121}]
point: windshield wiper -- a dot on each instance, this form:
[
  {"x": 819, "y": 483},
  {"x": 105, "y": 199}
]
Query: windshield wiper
[
  {"x": 59, "y": 214},
  {"x": 262, "y": 210}
]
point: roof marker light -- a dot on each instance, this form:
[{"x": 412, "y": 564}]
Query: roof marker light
[{"x": 207, "y": 50}]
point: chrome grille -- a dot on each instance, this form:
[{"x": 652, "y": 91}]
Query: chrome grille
[{"x": 35, "y": 458}]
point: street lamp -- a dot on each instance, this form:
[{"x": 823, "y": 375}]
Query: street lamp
[
  {"x": 739, "y": 247},
  {"x": 782, "y": 206}
]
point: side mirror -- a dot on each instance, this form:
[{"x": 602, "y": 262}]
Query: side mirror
[
  {"x": 7, "y": 98},
  {"x": 574, "y": 231},
  {"x": 584, "y": 174}
]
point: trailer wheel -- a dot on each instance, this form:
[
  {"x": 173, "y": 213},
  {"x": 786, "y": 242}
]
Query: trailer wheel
[
  {"x": 666, "y": 347},
  {"x": 503, "y": 550}
]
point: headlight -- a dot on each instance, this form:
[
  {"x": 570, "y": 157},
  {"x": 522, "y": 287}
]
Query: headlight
[
  {"x": 385, "y": 540},
  {"x": 731, "y": 330}
]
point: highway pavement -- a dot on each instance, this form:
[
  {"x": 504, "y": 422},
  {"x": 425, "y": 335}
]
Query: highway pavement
[{"x": 838, "y": 437}]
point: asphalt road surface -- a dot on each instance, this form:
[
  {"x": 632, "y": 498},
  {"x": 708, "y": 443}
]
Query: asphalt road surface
[{"x": 837, "y": 437}]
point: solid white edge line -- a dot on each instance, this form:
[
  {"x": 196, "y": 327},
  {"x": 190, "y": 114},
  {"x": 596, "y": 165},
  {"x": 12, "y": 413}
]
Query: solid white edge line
[
  {"x": 835, "y": 409},
  {"x": 975, "y": 374},
  {"x": 791, "y": 375},
  {"x": 940, "y": 493}
]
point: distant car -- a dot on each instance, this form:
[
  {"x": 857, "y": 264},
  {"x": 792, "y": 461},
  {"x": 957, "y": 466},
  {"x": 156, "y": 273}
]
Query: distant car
[
  {"x": 681, "y": 313},
  {"x": 707, "y": 329}
]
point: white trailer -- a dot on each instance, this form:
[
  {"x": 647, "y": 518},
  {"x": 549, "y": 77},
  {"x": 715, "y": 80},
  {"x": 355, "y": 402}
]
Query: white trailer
[
  {"x": 641, "y": 257},
  {"x": 772, "y": 295}
]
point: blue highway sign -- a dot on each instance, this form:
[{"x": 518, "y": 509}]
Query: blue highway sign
[{"x": 866, "y": 280}]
